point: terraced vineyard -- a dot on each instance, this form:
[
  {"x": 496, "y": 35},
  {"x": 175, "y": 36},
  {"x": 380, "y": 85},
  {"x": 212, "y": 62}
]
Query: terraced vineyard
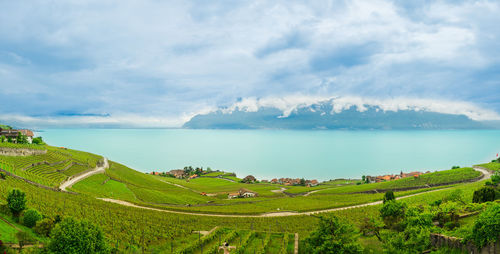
[{"x": 50, "y": 168}]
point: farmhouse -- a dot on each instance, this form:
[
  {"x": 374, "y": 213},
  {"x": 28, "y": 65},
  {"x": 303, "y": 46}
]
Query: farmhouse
[
  {"x": 177, "y": 173},
  {"x": 9, "y": 133},
  {"x": 242, "y": 193},
  {"x": 29, "y": 134}
]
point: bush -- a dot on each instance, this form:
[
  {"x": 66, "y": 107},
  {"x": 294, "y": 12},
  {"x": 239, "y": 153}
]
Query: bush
[
  {"x": 484, "y": 194},
  {"x": 72, "y": 236},
  {"x": 16, "y": 201},
  {"x": 333, "y": 235},
  {"x": 487, "y": 226},
  {"x": 44, "y": 226},
  {"x": 389, "y": 195},
  {"x": 31, "y": 217},
  {"x": 392, "y": 212},
  {"x": 2, "y": 175}
]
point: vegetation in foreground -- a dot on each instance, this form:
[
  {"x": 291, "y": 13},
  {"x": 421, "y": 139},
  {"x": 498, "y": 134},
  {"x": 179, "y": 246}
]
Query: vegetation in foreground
[{"x": 394, "y": 226}]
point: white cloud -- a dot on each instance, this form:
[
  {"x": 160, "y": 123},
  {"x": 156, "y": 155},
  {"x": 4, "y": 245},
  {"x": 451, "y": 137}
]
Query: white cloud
[{"x": 291, "y": 103}]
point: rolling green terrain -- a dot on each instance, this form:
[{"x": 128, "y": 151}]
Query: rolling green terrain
[{"x": 241, "y": 221}]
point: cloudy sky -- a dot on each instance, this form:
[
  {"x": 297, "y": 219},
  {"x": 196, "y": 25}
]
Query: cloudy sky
[{"x": 156, "y": 63}]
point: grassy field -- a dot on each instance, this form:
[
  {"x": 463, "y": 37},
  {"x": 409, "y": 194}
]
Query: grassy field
[
  {"x": 439, "y": 177},
  {"x": 158, "y": 232},
  {"x": 495, "y": 166}
]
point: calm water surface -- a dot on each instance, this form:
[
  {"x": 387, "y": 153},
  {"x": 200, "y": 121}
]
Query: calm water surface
[{"x": 314, "y": 154}]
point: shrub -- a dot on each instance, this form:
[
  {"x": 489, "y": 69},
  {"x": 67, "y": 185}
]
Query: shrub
[
  {"x": 23, "y": 238},
  {"x": 72, "y": 236},
  {"x": 333, "y": 235},
  {"x": 392, "y": 212},
  {"x": 484, "y": 194},
  {"x": 16, "y": 201},
  {"x": 389, "y": 195},
  {"x": 2, "y": 175},
  {"x": 44, "y": 226},
  {"x": 487, "y": 226},
  {"x": 31, "y": 217}
]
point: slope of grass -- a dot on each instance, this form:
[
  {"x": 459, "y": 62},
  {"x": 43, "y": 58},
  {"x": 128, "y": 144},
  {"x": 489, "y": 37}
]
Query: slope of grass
[
  {"x": 439, "y": 177},
  {"x": 101, "y": 186},
  {"x": 495, "y": 166}
]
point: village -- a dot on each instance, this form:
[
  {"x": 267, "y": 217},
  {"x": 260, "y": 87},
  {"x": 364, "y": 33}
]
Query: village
[
  {"x": 189, "y": 173},
  {"x": 384, "y": 178}
]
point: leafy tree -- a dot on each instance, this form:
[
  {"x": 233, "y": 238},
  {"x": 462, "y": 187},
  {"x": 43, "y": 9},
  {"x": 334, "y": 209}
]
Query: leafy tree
[
  {"x": 414, "y": 237},
  {"x": 44, "y": 226},
  {"x": 3, "y": 138},
  {"x": 484, "y": 194},
  {"x": 487, "y": 227},
  {"x": 333, "y": 235},
  {"x": 21, "y": 138},
  {"x": 392, "y": 212},
  {"x": 72, "y": 236},
  {"x": 31, "y": 217},
  {"x": 16, "y": 201},
  {"x": 372, "y": 226},
  {"x": 389, "y": 195},
  {"x": 495, "y": 179},
  {"x": 38, "y": 141},
  {"x": 363, "y": 178}
]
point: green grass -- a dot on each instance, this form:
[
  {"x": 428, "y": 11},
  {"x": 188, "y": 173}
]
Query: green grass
[
  {"x": 216, "y": 185},
  {"x": 7, "y": 232},
  {"x": 101, "y": 186},
  {"x": 439, "y": 177},
  {"x": 495, "y": 166}
]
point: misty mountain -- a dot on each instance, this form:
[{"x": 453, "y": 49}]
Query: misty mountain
[{"x": 322, "y": 116}]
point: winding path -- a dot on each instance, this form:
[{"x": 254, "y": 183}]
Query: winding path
[{"x": 76, "y": 179}]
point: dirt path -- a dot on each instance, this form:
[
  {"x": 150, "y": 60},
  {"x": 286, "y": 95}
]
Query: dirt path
[
  {"x": 485, "y": 173},
  {"x": 74, "y": 180}
]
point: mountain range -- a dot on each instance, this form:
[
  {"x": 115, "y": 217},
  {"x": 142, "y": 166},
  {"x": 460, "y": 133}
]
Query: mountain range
[{"x": 324, "y": 115}]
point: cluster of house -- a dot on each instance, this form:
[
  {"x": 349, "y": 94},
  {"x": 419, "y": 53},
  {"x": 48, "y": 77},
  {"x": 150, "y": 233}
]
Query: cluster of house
[
  {"x": 177, "y": 173},
  {"x": 296, "y": 181},
  {"x": 12, "y": 134},
  {"x": 376, "y": 179}
]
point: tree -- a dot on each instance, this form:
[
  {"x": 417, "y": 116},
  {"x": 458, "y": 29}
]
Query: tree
[
  {"x": 414, "y": 236},
  {"x": 44, "y": 226},
  {"x": 3, "y": 138},
  {"x": 388, "y": 196},
  {"x": 333, "y": 235},
  {"x": 372, "y": 226},
  {"x": 487, "y": 227},
  {"x": 392, "y": 212},
  {"x": 363, "y": 178},
  {"x": 21, "y": 138},
  {"x": 31, "y": 217},
  {"x": 484, "y": 194},
  {"x": 38, "y": 141},
  {"x": 72, "y": 236},
  {"x": 16, "y": 201}
]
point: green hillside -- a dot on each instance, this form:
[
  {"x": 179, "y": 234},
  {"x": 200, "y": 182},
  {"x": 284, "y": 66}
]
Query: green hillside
[{"x": 175, "y": 210}]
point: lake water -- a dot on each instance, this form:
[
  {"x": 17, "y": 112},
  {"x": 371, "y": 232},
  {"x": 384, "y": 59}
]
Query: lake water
[{"x": 311, "y": 154}]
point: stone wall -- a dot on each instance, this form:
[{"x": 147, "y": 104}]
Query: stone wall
[
  {"x": 438, "y": 240},
  {"x": 20, "y": 151}
]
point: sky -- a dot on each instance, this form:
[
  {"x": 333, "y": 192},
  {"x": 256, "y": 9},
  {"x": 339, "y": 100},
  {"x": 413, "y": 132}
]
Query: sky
[{"x": 156, "y": 63}]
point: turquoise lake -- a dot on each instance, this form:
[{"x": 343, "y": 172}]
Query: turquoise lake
[{"x": 311, "y": 154}]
